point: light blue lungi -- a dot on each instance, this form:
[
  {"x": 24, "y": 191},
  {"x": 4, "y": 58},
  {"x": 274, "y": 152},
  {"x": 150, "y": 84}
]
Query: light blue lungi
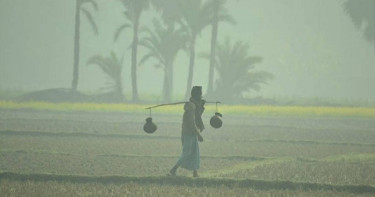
[{"x": 190, "y": 158}]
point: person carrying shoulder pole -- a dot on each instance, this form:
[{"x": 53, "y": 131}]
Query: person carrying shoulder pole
[{"x": 192, "y": 126}]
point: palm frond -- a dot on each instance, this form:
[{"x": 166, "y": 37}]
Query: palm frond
[
  {"x": 120, "y": 29},
  {"x": 169, "y": 10},
  {"x": 362, "y": 12},
  {"x": 145, "y": 58},
  {"x": 185, "y": 28},
  {"x": 134, "y": 8},
  {"x": 253, "y": 80},
  {"x": 92, "y": 2},
  {"x": 355, "y": 11},
  {"x": 195, "y": 14},
  {"x": 233, "y": 65},
  {"x": 227, "y": 19},
  {"x": 111, "y": 66},
  {"x": 163, "y": 43},
  {"x": 91, "y": 20},
  {"x": 222, "y": 15}
]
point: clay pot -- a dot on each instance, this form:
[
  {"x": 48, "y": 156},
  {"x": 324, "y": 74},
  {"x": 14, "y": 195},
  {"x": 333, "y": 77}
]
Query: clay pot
[
  {"x": 149, "y": 126},
  {"x": 216, "y": 121}
]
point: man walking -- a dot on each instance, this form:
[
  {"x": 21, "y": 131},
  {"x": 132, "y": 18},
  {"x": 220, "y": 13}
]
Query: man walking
[{"x": 192, "y": 126}]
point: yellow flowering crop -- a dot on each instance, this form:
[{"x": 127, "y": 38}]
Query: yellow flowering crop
[{"x": 176, "y": 109}]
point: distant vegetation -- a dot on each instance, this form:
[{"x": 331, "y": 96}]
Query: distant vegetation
[
  {"x": 177, "y": 27},
  {"x": 112, "y": 67},
  {"x": 80, "y": 8},
  {"x": 234, "y": 66},
  {"x": 176, "y": 109},
  {"x": 362, "y": 14},
  {"x": 163, "y": 46}
]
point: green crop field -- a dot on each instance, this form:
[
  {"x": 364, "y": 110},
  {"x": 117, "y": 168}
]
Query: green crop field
[{"x": 101, "y": 150}]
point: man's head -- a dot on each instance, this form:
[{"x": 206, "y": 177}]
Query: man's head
[{"x": 196, "y": 92}]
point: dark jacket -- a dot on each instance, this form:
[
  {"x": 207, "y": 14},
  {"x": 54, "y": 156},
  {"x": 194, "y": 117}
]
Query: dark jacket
[{"x": 192, "y": 118}]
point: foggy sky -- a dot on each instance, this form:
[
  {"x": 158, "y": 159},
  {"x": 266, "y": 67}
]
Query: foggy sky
[{"x": 311, "y": 47}]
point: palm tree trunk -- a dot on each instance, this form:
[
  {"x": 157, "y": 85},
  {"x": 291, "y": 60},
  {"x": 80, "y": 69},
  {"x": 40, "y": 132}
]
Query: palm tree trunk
[
  {"x": 119, "y": 86},
  {"x": 167, "y": 91},
  {"x": 191, "y": 67},
  {"x": 169, "y": 63},
  {"x": 214, "y": 33},
  {"x": 166, "y": 88},
  {"x": 171, "y": 81},
  {"x": 76, "y": 47},
  {"x": 134, "y": 62}
]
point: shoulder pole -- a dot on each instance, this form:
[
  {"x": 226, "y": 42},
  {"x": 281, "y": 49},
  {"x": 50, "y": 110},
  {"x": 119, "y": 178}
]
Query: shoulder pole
[{"x": 183, "y": 102}]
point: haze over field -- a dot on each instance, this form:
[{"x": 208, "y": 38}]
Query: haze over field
[
  {"x": 312, "y": 48},
  {"x": 104, "y": 98}
]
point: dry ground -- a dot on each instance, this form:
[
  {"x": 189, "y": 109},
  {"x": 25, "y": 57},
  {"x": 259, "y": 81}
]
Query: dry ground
[{"x": 313, "y": 150}]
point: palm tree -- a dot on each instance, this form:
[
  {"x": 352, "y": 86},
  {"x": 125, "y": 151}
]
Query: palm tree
[
  {"x": 219, "y": 14},
  {"x": 79, "y": 8},
  {"x": 112, "y": 67},
  {"x": 170, "y": 10},
  {"x": 362, "y": 13},
  {"x": 134, "y": 10},
  {"x": 163, "y": 45},
  {"x": 234, "y": 67},
  {"x": 195, "y": 17}
]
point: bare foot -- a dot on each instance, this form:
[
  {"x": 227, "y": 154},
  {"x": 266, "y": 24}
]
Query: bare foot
[{"x": 172, "y": 173}]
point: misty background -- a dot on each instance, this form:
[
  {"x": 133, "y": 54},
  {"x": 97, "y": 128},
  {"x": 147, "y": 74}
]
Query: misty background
[{"x": 312, "y": 48}]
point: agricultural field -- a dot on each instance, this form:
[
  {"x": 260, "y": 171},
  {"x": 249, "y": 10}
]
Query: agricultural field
[{"x": 101, "y": 150}]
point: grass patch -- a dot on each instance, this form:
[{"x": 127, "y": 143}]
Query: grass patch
[
  {"x": 243, "y": 167},
  {"x": 351, "y": 158},
  {"x": 185, "y": 181},
  {"x": 354, "y": 169}
]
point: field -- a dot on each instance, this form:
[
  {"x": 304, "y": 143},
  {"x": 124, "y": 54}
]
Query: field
[{"x": 101, "y": 150}]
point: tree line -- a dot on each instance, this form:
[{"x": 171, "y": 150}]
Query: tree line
[
  {"x": 178, "y": 28},
  {"x": 181, "y": 23}
]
